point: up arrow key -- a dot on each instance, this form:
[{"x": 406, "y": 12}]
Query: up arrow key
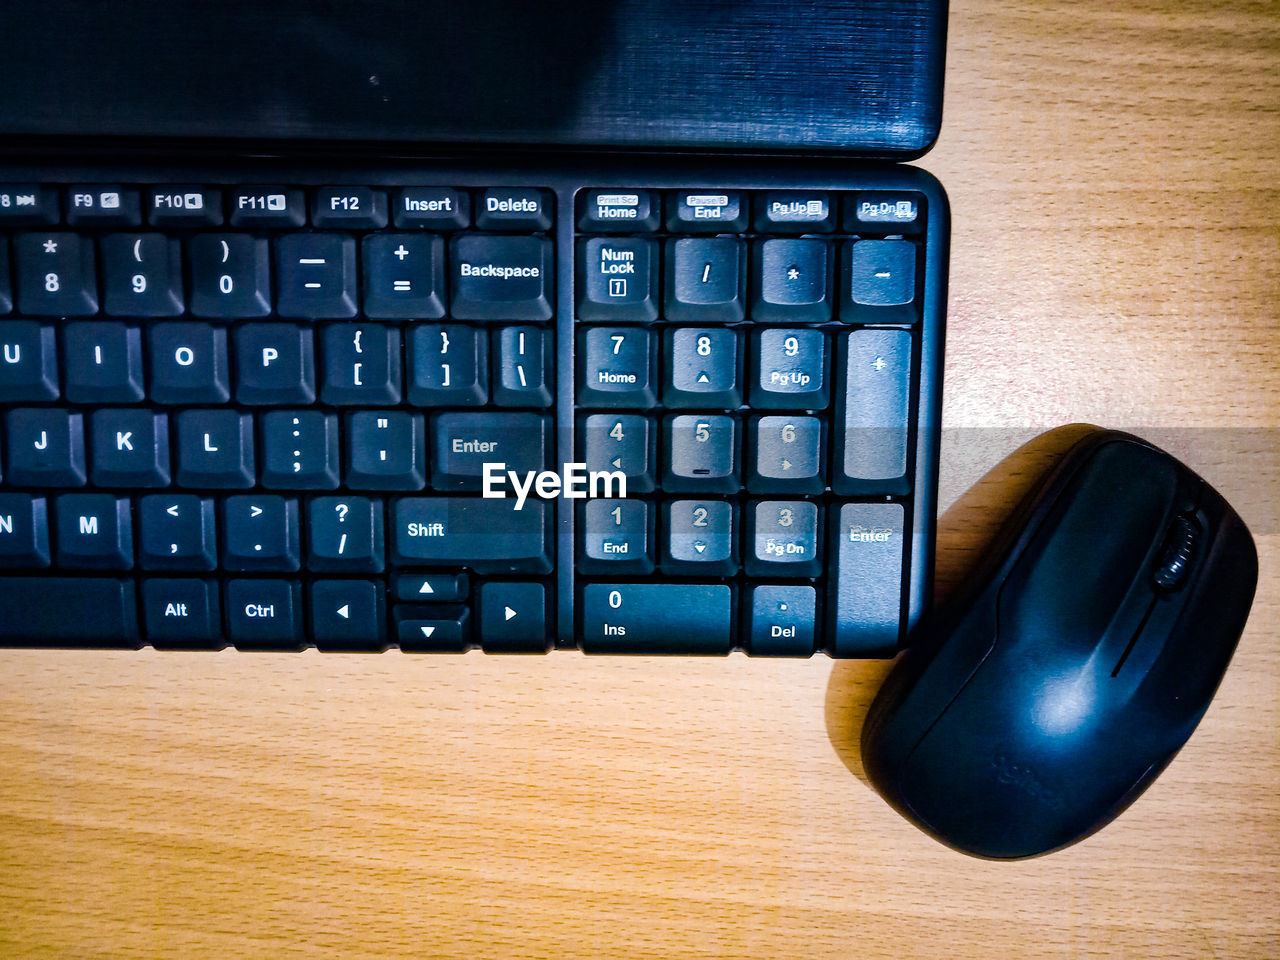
[
  {"x": 426, "y": 588},
  {"x": 703, "y": 378}
]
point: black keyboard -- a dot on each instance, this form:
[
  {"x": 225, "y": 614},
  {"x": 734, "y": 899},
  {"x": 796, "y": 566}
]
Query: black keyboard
[{"x": 275, "y": 405}]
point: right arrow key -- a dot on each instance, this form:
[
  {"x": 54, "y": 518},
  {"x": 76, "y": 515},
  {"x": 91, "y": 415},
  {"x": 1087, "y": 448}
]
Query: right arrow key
[{"x": 513, "y": 618}]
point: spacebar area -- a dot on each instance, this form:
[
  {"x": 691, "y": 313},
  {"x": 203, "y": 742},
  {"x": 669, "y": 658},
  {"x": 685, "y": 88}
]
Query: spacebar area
[{"x": 58, "y": 611}]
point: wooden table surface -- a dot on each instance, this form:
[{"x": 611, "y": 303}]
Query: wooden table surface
[{"x": 1115, "y": 182}]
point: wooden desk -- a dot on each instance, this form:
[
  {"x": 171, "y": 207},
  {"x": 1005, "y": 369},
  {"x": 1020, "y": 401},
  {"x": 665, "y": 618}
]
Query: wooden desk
[{"x": 1113, "y": 170}]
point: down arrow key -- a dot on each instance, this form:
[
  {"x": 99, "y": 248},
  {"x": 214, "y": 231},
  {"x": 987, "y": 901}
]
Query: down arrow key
[{"x": 430, "y": 628}]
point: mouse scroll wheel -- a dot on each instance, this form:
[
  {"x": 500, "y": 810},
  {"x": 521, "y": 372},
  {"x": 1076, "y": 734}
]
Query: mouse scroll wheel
[{"x": 1177, "y": 554}]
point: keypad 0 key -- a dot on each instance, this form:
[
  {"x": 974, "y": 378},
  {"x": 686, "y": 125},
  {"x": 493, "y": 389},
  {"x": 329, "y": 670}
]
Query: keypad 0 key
[
  {"x": 69, "y": 611},
  {"x": 502, "y": 278},
  {"x": 657, "y": 618},
  {"x": 487, "y": 535}
]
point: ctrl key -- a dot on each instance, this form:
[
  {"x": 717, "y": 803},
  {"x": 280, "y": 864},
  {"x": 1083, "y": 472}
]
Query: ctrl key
[
  {"x": 181, "y": 614},
  {"x": 265, "y": 614}
]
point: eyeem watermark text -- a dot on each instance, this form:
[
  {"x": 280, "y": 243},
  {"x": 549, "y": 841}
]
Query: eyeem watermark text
[{"x": 574, "y": 482}]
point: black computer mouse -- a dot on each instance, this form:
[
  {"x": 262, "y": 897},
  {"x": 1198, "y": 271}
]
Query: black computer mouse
[{"x": 1075, "y": 665}]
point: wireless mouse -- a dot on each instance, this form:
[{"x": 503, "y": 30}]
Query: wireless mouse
[{"x": 1075, "y": 665}]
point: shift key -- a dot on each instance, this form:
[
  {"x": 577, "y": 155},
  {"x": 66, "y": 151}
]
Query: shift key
[{"x": 487, "y": 535}]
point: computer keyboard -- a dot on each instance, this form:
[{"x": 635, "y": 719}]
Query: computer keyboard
[{"x": 277, "y": 404}]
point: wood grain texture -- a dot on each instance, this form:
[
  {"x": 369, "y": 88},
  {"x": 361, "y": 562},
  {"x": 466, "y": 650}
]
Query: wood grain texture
[{"x": 1115, "y": 178}]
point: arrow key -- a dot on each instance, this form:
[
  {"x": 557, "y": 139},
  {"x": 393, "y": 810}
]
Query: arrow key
[
  {"x": 431, "y": 587},
  {"x": 426, "y": 629},
  {"x": 348, "y": 615},
  {"x": 513, "y": 618}
]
